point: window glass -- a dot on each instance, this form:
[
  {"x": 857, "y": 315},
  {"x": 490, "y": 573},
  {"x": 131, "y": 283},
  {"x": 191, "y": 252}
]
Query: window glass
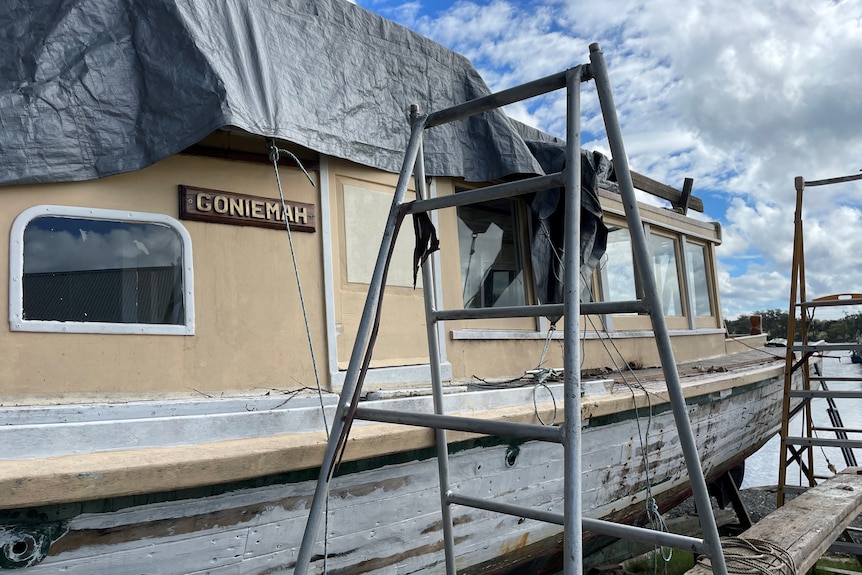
[
  {"x": 96, "y": 274},
  {"x": 698, "y": 288},
  {"x": 491, "y": 268},
  {"x": 663, "y": 251},
  {"x": 619, "y": 266}
]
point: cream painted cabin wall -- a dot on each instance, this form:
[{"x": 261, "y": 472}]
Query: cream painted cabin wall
[{"x": 249, "y": 327}]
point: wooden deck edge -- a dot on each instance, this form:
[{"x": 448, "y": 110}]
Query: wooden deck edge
[
  {"x": 90, "y": 476},
  {"x": 807, "y": 525},
  {"x": 99, "y": 475}
]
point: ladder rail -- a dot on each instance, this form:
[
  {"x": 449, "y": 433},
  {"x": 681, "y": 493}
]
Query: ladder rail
[
  {"x": 441, "y": 444},
  {"x": 363, "y": 337},
  {"x": 794, "y": 448},
  {"x": 499, "y": 99},
  {"x": 532, "y": 431},
  {"x": 540, "y": 310},
  {"x": 572, "y": 430},
  {"x": 643, "y": 264}
]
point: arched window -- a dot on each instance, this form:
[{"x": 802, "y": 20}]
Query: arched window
[{"x": 86, "y": 270}]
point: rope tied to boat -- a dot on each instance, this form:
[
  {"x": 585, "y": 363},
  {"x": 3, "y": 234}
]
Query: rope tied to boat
[
  {"x": 753, "y": 557},
  {"x": 274, "y": 156}
]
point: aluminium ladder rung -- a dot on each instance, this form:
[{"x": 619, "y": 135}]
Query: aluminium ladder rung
[
  {"x": 505, "y": 97},
  {"x": 534, "y": 431},
  {"x": 816, "y": 347},
  {"x": 551, "y": 309},
  {"x": 594, "y": 525},
  {"x": 833, "y": 393},
  {"x": 488, "y": 193},
  {"x": 824, "y": 442}
]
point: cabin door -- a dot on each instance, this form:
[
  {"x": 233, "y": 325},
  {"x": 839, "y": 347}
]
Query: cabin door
[{"x": 360, "y": 204}]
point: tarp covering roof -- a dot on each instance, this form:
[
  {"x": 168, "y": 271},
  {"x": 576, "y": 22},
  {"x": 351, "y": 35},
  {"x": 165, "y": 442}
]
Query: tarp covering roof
[{"x": 91, "y": 88}]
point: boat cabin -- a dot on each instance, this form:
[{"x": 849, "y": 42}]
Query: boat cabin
[
  {"x": 147, "y": 245},
  {"x": 178, "y": 278}
]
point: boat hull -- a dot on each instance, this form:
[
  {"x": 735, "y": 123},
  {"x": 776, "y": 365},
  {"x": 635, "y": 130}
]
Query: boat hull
[{"x": 384, "y": 509}]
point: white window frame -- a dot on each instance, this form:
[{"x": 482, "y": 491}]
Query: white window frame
[{"x": 16, "y": 274}]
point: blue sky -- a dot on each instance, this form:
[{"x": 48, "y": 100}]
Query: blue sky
[{"x": 741, "y": 96}]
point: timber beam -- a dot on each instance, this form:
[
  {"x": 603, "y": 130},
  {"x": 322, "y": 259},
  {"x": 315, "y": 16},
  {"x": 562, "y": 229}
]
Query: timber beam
[{"x": 806, "y": 526}]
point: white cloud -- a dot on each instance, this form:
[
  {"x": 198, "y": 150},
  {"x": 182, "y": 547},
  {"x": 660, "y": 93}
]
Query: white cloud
[{"x": 741, "y": 96}]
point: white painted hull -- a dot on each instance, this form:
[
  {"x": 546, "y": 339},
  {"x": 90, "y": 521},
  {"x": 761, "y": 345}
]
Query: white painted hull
[{"x": 386, "y": 519}]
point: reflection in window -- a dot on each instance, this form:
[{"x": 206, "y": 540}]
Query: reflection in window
[
  {"x": 619, "y": 266},
  {"x": 663, "y": 251},
  {"x": 698, "y": 289},
  {"x": 83, "y": 273},
  {"x": 102, "y": 271},
  {"x": 491, "y": 269}
]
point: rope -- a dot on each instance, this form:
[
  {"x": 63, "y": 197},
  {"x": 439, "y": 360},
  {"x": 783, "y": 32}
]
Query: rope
[
  {"x": 536, "y": 405},
  {"x": 274, "y": 153},
  {"x": 753, "y": 557},
  {"x": 655, "y": 518}
]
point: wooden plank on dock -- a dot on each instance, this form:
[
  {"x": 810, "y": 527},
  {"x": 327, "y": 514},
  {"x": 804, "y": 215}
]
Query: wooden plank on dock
[{"x": 806, "y": 526}]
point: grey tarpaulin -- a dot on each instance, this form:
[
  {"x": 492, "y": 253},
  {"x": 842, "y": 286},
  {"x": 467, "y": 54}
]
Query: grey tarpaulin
[
  {"x": 547, "y": 211},
  {"x": 92, "y": 88}
]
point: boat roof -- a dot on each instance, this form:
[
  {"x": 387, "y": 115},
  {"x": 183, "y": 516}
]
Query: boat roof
[{"x": 92, "y": 88}]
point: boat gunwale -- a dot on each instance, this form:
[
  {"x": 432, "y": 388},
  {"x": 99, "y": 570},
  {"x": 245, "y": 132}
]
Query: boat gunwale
[{"x": 105, "y": 474}]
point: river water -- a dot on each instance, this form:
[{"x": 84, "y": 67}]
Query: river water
[{"x": 762, "y": 467}]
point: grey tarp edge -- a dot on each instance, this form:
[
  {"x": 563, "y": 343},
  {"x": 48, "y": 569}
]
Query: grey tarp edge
[
  {"x": 91, "y": 88},
  {"x": 547, "y": 210}
]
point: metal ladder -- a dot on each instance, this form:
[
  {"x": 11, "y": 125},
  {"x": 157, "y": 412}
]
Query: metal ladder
[
  {"x": 569, "y": 434},
  {"x": 800, "y": 449}
]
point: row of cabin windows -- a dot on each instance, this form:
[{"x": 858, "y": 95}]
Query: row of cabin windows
[
  {"x": 492, "y": 270},
  {"x": 97, "y": 271}
]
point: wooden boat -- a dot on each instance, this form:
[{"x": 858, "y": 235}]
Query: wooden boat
[{"x": 160, "y": 412}]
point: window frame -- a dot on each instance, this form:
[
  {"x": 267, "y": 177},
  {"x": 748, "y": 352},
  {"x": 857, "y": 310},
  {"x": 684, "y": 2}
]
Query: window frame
[
  {"x": 696, "y": 320},
  {"x": 521, "y": 235},
  {"x": 679, "y": 272},
  {"x": 16, "y": 274}
]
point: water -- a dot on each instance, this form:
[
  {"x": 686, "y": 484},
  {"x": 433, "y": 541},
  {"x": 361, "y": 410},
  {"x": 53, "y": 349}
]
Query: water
[{"x": 762, "y": 467}]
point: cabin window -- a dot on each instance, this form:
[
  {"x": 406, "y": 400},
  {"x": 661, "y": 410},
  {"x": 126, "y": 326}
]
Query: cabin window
[
  {"x": 100, "y": 271},
  {"x": 696, "y": 272},
  {"x": 492, "y": 273},
  {"x": 664, "y": 260},
  {"x": 618, "y": 276}
]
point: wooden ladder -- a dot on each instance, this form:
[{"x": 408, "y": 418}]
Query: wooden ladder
[{"x": 803, "y": 354}]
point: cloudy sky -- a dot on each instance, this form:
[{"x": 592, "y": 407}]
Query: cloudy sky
[{"x": 741, "y": 95}]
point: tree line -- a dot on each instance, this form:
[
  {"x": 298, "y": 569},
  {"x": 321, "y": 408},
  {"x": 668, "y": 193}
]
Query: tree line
[{"x": 774, "y": 323}]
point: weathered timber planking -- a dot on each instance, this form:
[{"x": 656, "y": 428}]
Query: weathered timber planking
[
  {"x": 171, "y": 557},
  {"x": 387, "y": 518},
  {"x": 807, "y": 525},
  {"x": 91, "y": 476}
]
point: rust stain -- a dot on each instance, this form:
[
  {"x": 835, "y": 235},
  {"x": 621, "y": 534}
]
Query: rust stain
[{"x": 519, "y": 543}]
